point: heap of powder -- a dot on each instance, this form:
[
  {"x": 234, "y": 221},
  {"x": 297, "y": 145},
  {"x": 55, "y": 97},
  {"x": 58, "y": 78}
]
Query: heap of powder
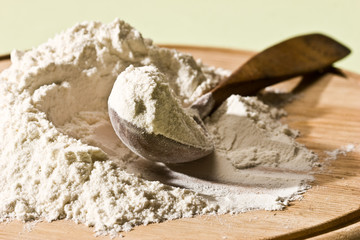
[
  {"x": 263, "y": 140},
  {"x": 60, "y": 158},
  {"x": 142, "y": 96},
  {"x": 46, "y": 173}
]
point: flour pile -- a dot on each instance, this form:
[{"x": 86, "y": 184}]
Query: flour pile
[{"x": 60, "y": 158}]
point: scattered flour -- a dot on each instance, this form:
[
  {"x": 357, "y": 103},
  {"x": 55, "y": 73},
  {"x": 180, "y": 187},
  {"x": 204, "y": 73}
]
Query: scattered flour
[
  {"x": 332, "y": 155},
  {"x": 60, "y": 158}
]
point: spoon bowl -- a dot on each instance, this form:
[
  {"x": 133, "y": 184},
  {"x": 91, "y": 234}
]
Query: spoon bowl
[{"x": 154, "y": 147}]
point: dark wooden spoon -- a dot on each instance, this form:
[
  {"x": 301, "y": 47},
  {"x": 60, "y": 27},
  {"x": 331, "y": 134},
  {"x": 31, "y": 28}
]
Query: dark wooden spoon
[{"x": 293, "y": 57}]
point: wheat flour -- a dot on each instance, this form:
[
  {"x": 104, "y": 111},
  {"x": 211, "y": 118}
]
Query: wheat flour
[
  {"x": 142, "y": 96},
  {"x": 60, "y": 158}
]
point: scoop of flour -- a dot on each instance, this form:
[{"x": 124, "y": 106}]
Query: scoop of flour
[{"x": 142, "y": 96}]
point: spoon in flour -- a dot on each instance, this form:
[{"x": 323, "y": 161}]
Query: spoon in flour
[{"x": 180, "y": 138}]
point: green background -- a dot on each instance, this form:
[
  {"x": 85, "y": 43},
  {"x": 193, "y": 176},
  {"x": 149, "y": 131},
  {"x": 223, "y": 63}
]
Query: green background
[{"x": 249, "y": 24}]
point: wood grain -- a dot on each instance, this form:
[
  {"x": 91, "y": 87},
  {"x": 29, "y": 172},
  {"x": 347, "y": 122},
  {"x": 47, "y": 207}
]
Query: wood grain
[
  {"x": 326, "y": 112},
  {"x": 351, "y": 232}
]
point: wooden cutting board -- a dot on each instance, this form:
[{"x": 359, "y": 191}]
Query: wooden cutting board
[{"x": 327, "y": 113}]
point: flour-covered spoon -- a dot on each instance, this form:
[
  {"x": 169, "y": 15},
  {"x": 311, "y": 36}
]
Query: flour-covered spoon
[{"x": 171, "y": 134}]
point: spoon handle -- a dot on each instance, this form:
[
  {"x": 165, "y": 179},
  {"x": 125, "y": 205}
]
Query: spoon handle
[{"x": 293, "y": 57}]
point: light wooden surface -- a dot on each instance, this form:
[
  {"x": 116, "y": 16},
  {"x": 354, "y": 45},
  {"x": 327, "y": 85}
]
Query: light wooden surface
[
  {"x": 327, "y": 113},
  {"x": 351, "y": 232}
]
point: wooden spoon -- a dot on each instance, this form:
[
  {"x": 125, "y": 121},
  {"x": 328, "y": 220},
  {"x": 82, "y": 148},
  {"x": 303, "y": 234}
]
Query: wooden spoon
[{"x": 293, "y": 57}]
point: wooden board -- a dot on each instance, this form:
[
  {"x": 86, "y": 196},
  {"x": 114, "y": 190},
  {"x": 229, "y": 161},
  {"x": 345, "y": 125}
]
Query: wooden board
[
  {"x": 351, "y": 232},
  {"x": 326, "y": 112}
]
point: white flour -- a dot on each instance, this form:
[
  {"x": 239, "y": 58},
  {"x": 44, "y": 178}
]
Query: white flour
[
  {"x": 60, "y": 158},
  {"x": 142, "y": 96},
  {"x": 259, "y": 138}
]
